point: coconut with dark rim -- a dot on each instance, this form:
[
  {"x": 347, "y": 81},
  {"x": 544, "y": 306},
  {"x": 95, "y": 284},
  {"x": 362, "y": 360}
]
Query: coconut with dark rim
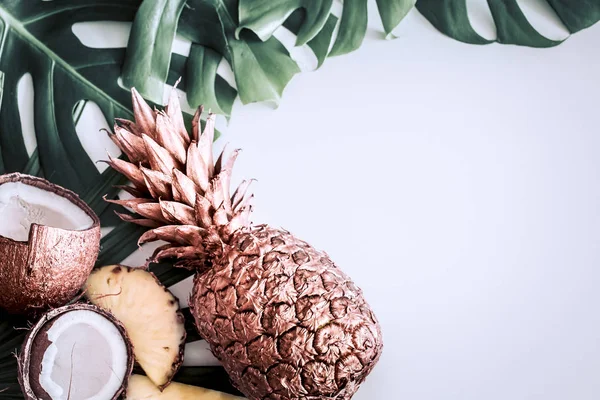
[
  {"x": 74, "y": 352},
  {"x": 49, "y": 242}
]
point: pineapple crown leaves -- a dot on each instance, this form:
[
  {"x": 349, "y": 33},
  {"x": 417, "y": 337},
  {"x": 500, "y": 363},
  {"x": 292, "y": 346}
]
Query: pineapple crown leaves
[{"x": 178, "y": 190}]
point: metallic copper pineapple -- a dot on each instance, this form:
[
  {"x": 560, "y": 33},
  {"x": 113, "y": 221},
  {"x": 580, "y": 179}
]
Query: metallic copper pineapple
[{"x": 284, "y": 320}]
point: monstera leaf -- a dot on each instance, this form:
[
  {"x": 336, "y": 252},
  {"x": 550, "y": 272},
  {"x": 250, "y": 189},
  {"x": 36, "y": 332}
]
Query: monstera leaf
[
  {"x": 451, "y": 18},
  {"x": 262, "y": 69},
  {"x": 38, "y": 42},
  {"x": 241, "y": 32},
  {"x": 263, "y": 17}
]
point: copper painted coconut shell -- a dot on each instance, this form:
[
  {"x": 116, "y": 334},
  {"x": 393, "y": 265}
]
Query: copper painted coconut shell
[
  {"x": 49, "y": 268},
  {"x": 30, "y": 361}
]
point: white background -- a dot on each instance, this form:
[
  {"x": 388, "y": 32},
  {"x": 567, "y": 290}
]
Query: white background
[{"x": 459, "y": 186}]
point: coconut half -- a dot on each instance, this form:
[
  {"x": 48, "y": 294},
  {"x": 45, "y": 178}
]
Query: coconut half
[
  {"x": 49, "y": 242},
  {"x": 76, "y": 352}
]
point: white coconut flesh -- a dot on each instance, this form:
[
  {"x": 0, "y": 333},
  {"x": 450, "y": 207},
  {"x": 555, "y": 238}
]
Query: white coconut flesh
[
  {"x": 86, "y": 358},
  {"x": 22, "y": 205}
]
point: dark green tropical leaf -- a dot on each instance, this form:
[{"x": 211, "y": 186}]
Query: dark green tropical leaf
[
  {"x": 513, "y": 27},
  {"x": 146, "y": 66},
  {"x": 204, "y": 85},
  {"x": 393, "y": 12},
  {"x": 12, "y": 334},
  {"x": 241, "y": 32},
  {"x": 263, "y": 17},
  {"x": 261, "y": 69},
  {"x": 168, "y": 275},
  {"x": 119, "y": 243},
  {"x": 33, "y": 165},
  {"x": 353, "y": 27},
  {"x": 40, "y": 33},
  {"x": 451, "y": 18},
  {"x": 577, "y": 16},
  {"x": 198, "y": 23},
  {"x": 319, "y": 44}
]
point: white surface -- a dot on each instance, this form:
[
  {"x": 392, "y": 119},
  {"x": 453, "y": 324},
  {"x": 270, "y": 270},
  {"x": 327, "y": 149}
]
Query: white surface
[{"x": 459, "y": 186}]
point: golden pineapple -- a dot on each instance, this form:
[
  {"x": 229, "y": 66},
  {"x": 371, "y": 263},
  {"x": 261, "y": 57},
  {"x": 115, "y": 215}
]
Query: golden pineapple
[{"x": 283, "y": 319}]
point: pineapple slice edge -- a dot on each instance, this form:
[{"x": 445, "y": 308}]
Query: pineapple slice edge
[{"x": 150, "y": 314}]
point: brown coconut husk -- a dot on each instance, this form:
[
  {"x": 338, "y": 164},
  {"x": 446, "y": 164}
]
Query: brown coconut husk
[
  {"x": 49, "y": 268},
  {"x": 30, "y": 360}
]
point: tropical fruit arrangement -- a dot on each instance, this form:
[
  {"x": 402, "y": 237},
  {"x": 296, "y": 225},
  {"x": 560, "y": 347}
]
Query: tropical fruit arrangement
[{"x": 285, "y": 322}]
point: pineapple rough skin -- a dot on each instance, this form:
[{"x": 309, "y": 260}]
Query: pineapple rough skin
[
  {"x": 284, "y": 320},
  {"x": 286, "y": 323}
]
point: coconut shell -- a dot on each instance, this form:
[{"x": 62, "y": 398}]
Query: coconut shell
[
  {"x": 30, "y": 360},
  {"x": 50, "y": 268}
]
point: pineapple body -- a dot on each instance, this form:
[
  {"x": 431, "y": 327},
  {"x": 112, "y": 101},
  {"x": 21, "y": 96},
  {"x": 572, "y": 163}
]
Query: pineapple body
[{"x": 284, "y": 320}]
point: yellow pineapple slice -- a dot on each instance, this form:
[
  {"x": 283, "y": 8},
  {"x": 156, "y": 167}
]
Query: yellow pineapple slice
[
  {"x": 149, "y": 313},
  {"x": 141, "y": 388}
]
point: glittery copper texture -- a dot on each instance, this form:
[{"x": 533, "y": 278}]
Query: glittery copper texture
[
  {"x": 283, "y": 319},
  {"x": 50, "y": 268},
  {"x": 295, "y": 326},
  {"x": 32, "y": 352}
]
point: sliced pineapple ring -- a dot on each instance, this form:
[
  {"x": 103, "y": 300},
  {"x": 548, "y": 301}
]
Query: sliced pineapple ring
[
  {"x": 141, "y": 388},
  {"x": 149, "y": 313}
]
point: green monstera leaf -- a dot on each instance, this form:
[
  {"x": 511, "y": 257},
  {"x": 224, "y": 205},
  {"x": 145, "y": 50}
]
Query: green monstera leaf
[
  {"x": 39, "y": 44},
  {"x": 263, "y": 17},
  {"x": 262, "y": 69},
  {"x": 513, "y": 27},
  {"x": 241, "y": 33}
]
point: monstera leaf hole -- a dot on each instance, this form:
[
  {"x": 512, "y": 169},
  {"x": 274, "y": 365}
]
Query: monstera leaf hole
[
  {"x": 25, "y": 93},
  {"x": 539, "y": 13},
  {"x": 102, "y": 34},
  {"x": 91, "y": 126},
  {"x": 544, "y": 19},
  {"x": 533, "y": 23},
  {"x": 481, "y": 18},
  {"x": 303, "y": 54}
]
